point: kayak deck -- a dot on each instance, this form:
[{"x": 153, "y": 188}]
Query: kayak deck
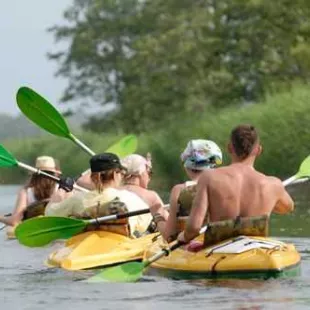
[
  {"x": 97, "y": 249},
  {"x": 241, "y": 257}
]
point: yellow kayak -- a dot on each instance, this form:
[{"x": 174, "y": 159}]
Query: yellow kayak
[
  {"x": 10, "y": 232},
  {"x": 239, "y": 257},
  {"x": 96, "y": 249}
]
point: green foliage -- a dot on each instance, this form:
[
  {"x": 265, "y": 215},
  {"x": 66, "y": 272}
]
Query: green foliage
[
  {"x": 282, "y": 120},
  {"x": 157, "y": 60}
]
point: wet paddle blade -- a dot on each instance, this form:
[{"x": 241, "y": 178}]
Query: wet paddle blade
[
  {"x": 125, "y": 146},
  {"x": 129, "y": 272},
  {"x": 304, "y": 169},
  {"x": 41, "y": 112},
  {"x": 6, "y": 158},
  {"x": 41, "y": 231}
]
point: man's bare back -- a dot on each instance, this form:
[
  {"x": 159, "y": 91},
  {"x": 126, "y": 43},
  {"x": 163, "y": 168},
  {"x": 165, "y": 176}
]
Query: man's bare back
[{"x": 239, "y": 190}]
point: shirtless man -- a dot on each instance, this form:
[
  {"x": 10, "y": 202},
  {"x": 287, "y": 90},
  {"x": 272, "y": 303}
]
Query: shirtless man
[{"x": 238, "y": 189}]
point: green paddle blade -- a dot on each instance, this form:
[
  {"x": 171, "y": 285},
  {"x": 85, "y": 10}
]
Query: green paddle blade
[
  {"x": 129, "y": 272},
  {"x": 304, "y": 169},
  {"x": 6, "y": 158},
  {"x": 40, "y": 231},
  {"x": 41, "y": 112},
  {"x": 124, "y": 147}
]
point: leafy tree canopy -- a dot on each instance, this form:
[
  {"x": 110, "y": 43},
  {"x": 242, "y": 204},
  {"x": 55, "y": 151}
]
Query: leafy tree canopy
[{"x": 154, "y": 59}]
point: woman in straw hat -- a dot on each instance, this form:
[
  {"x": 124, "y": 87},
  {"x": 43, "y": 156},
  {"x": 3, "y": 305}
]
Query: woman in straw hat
[{"x": 35, "y": 194}]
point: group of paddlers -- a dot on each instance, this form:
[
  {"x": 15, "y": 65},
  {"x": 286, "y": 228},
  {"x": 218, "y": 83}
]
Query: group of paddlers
[{"x": 212, "y": 194}]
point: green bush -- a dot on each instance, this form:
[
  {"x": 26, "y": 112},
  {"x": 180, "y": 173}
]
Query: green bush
[{"x": 281, "y": 119}]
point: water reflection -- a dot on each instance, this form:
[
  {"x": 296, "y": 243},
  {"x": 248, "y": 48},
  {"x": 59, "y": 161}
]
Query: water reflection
[
  {"x": 245, "y": 284},
  {"x": 296, "y": 224}
]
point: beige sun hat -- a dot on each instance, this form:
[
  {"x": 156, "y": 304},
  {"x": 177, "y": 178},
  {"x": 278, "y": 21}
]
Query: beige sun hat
[{"x": 47, "y": 163}]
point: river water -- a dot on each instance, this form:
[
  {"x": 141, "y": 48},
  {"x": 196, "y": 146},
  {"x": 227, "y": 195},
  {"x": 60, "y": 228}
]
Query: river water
[{"x": 26, "y": 284}]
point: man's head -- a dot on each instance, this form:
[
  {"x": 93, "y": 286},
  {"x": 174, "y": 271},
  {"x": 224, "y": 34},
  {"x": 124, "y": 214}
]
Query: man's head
[
  {"x": 244, "y": 142},
  {"x": 138, "y": 167}
]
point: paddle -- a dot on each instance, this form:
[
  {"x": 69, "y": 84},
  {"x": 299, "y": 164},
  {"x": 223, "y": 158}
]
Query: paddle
[
  {"x": 122, "y": 148},
  {"x": 40, "y": 231},
  {"x": 132, "y": 271},
  {"x": 7, "y": 160},
  {"x": 43, "y": 114},
  {"x": 303, "y": 172}
]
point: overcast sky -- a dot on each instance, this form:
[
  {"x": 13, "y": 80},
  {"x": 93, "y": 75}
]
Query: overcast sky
[{"x": 24, "y": 44}]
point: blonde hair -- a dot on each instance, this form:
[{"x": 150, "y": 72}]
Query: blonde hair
[{"x": 103, "y": 178}]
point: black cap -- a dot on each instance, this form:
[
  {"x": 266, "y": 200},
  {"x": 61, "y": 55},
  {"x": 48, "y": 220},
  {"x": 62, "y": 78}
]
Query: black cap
[{"x": 105, "y": 161}]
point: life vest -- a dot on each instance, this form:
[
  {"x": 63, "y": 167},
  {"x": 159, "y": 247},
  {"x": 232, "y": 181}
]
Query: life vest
[
  {"x": 130, "y": 227},
  {"x": 36, "y": 208},
  {"x": 186, "y": 198},
  {"x": 115, "y": 206},
  {"x": 185, "y": 202}
]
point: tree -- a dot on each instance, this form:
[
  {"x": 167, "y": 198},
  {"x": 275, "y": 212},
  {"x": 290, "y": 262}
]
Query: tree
[{"x": 155, "y": 60}]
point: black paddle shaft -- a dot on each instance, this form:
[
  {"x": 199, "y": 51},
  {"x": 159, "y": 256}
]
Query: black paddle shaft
[
  {"x": 133, "y": 213},
  {"x": 117, "y": 216}
]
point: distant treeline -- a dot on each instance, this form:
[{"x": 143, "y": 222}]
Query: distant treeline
[
  {"x": 19, "y": 127},
  {"x": 282, "y": 120}
]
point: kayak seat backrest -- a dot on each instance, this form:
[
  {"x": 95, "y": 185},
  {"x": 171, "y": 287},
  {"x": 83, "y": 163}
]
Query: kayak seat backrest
[
  {"x": 248, "y": 226},
  {"x": 35, "y": 209},
  {"x": 112, "y": 207},
  {"x": 181, "y": 223}
]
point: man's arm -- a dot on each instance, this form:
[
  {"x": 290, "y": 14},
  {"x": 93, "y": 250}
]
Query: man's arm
[
  {"x": 285, "y": 203},
  {"x": 199, "y": 209},
  {"x": 85, "y": 181}
]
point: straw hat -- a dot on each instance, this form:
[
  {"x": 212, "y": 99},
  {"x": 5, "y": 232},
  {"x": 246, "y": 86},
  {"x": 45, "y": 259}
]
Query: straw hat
[{"x": 47, "y": 163}]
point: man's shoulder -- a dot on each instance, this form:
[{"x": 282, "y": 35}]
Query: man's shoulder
[{"x": 273, "y": 180}]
